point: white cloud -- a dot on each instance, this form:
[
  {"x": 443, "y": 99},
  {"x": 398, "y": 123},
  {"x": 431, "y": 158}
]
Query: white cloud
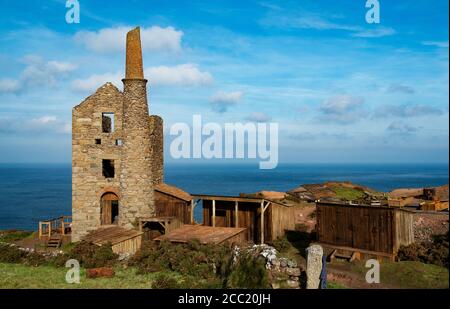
[
  {"x": 40, "y": 125},
  {"x": 342, "y": 109},
  {"x": 93, "y": 82},
  {"x": 9, "y": 85},
  {"x": 180, "y": 75},
  {"x": 37, "y": 72},
  {"x": 374, "y": 33},
  {"x": 221, "y": 101},
  {"x": 153, "y": 38},
  {"x": 258, "y": 117}
]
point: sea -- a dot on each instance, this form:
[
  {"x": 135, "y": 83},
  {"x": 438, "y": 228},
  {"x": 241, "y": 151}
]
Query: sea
[{"x": 33, "y": 192}]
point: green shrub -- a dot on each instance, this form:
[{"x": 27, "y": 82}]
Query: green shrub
[
  {"x": 249, "y": 273},
  {"x": 92, "y": 256},
  {"x": 11, "y": 254},
  {"x": 164, "y": 281},
  {"x": 281, "y": 244},
  {"x": 204, "y": 262}
]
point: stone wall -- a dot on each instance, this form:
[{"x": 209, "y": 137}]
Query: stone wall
[{"x": 88, "y": 183}]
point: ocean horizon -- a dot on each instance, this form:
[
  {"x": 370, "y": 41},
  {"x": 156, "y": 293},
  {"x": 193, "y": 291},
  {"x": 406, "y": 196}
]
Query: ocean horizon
[{"x": 37, "y": 191}]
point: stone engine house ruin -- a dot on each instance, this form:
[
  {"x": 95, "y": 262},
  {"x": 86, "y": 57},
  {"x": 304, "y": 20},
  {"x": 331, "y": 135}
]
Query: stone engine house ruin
[{"x": 117, "y": 152}]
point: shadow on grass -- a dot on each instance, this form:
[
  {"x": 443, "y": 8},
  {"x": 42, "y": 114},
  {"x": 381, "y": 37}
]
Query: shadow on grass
[{"x": 300, "y": 240}]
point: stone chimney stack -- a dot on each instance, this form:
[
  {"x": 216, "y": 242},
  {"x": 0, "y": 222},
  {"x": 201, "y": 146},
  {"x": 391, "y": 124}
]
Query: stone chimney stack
[
  {"x": 134, "y": 68},
  {"x": 136, "y": 179}
]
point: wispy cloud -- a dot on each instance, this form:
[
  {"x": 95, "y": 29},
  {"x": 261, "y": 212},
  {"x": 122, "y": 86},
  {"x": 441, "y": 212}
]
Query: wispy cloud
[
  {"x": 35, "y": 126},
  {"x": 406, "y": 111},
  {"x": 221, "y": 101},
  {"x": 91, "y": 83},
  {"x": 258, "y": 117},
  {"x": 285, "y": 19},
  {"x": 37, "y": 72},
  {"x": 441, "y": 44},
  {"x": 342, "y": 109},
  {"x": 401, "y": 129},
  {"x": 400, "y": 88}
]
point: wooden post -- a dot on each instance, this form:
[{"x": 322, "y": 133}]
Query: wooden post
[
  {"x": 213, "y": 213},
  {"x": 236, "y": 214},
  {"x": 49, "y": 229},
  {"x": 40, "y": 229},
  {"x": 262, "y": 221},
  {"x": 192, "y": 211},
  {"x": 62, "y": 225}
]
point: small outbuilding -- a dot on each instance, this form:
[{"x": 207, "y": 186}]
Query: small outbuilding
[
  {"x": 264, "y": 220},
  {"x": 366, "y": 230}
]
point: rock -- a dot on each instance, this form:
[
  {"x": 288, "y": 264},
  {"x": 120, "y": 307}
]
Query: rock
[
  {"x": 276, "y": 285},
  {"x": 293, "y": 272},
  {"x": 283, "y": 262},
  {"x": 313, "y": 266},
  {"x": 106, "y": 272},
  {"x": 292, "y": 284},
  {"x": 292, "y": 264}
]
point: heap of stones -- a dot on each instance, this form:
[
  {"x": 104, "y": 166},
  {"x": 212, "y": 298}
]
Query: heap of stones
[{"x": 283, "y": 272}]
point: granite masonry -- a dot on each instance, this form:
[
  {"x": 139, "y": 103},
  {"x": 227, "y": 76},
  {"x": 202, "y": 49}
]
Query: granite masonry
[{"x": 117, "y": 152}]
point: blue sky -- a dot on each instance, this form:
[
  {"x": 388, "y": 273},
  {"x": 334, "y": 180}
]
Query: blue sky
[{"x": 342, "y": 90}]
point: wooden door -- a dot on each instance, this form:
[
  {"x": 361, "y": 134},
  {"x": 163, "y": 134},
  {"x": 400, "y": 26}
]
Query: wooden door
[{"x": 107, "y": 201}]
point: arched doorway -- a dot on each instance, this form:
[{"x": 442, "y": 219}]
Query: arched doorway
[{"x": 109, "y": 209}]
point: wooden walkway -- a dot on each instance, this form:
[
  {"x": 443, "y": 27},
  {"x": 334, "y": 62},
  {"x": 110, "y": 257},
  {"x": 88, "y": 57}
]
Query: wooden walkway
[{"x": 204, "y": 234}]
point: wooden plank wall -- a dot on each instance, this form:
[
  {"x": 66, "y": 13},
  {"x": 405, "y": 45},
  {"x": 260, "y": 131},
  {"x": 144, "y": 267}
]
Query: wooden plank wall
[
  {"x": 283, "y": 219},
  {"x": 130, "y": 246},
  {"x": 367, "y": 228},
  {"x": 169, "y": 206},
  {"x": 277, "y": 218},
  {"x": 404, "y": 226},
  {"x": 248, "y": 217}
]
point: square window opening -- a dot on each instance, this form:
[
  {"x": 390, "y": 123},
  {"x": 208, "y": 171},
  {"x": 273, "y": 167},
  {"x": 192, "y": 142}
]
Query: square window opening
[
  {"x": 108, "y": 168},
  {"x": 119, "y": 142},
  {"x": 98, "y": 141},
  {"x": 107, "y": 122}
]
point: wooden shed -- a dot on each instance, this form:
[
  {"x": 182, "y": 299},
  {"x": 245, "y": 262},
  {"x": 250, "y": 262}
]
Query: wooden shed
[
  {"x": 171, "y": 201},
  {"x": 264, "y": 220},
  {"x": 121, "y": 239},
  {"x": 372, "y": 230}
]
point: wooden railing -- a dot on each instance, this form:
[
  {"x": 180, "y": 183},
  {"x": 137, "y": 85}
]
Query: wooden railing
[{"x": 60, "y": 225}]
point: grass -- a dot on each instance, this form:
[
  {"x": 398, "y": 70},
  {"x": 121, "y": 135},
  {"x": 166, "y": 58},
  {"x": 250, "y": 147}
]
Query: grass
[
  {"x": 416, "y": 275},
  {"x": 10, "y": 236},
  {"x": 335, "y": 285},
  {"x": 348, "y": 194},
  {"x": 403, "y": 274},
  {"x": 17, "y": 276}
]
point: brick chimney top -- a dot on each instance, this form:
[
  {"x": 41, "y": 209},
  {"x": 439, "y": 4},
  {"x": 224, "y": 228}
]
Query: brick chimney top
[{"x": 134, "y": 68}]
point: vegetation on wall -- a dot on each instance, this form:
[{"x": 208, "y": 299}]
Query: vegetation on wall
[{"x": 435, "y": 252}]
